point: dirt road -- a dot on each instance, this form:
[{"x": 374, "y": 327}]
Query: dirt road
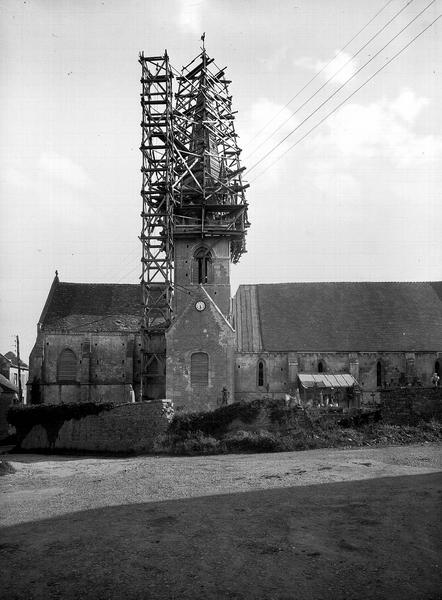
[{"x": 325, "y": 524}]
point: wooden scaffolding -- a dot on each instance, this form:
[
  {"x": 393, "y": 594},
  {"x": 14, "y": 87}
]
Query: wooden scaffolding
[
  {"x": 191, "y": 187},
  {"x": 157, "y": 218}
]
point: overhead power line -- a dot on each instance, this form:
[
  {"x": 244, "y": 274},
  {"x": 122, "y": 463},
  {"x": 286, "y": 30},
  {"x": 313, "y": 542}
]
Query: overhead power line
[
  {"x": 347, "y": 98},
  {"x": 128, "y": 273},
  {"x": 331, "y": 77},
  {"x": 339, "y": 88},
  {"x": 126, "y": 260},
  {"x": 319, "y": 72}
]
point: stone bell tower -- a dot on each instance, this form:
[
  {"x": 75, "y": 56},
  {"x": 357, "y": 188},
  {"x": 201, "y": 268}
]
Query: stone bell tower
[
  {"x": 203, "y": 226},
  {"x": 210, "y": 221}
]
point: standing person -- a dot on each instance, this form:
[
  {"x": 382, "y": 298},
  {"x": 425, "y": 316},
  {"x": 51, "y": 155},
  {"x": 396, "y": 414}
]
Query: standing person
[{"x": 435, "y": 380}]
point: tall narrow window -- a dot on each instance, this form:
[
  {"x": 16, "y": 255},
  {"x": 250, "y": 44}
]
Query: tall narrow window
[
  {"x": 379, "y": 374},
  {"x": 202, "y": 266},
  {"x": 437, "y": 367},
  {"x": 199, "y": 369},
  {"x": 67, "y": 366},
  {"x": 261, "y": 373},
  {"x": 155, "y": 367},
  {"x": 320, "y": 367}
]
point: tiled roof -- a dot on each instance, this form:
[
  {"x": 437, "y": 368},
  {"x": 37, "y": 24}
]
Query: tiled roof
[
  {"x": 373, "y": 316},
  {"x": 93, "y": 307},
  {"x": 14, "y": 360}
]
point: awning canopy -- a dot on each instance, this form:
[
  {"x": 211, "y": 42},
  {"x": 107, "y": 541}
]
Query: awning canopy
[{"x": 326, "y": 380}]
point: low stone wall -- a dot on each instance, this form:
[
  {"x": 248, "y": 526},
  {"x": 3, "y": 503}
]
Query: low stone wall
[
  {"x": 124, "y": 428},
  {"x": 411, "y": 405}
]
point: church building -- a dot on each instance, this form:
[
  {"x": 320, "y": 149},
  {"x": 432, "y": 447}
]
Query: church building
[{"x": 179, "y": 335}]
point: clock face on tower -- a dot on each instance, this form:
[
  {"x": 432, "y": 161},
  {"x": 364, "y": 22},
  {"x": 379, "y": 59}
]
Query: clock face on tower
[{"x": 200, "y": 305}]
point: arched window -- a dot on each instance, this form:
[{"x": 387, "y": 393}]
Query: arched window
[
  {"x": 199, "y": 369},
  {"x": 67, "y": 366},
  {"x": 155, "y": 366},
  {"x": 379, "y": 374},
  {"x": 437, "y": 367},
  {"x": 261, "y": 374},
  {"x": 202, "y": 271},
  {"x": 320, "y": 367}
]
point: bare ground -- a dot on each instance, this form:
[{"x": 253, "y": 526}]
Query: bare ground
[{"x": 328, "y": 524}]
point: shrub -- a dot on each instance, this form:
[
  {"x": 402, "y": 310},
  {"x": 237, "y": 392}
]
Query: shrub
[
  {"x": 252, "y": 441},
  {"x": 215, "y": 422},
  {"x": 193, "y": 443}
]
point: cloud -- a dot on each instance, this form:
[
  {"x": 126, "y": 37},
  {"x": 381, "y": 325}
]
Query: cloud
[
  {"x": 190, "y": 15},
  {"x": 13, "y": 177},
  {"x": 63, "y": 169},
  {"x": 275, "y": 60},
  {"x": 263, "y": 118},
  {"x": 384, "y": 130},
  {"x": 362, "y": 139},
  {"x": 338, "y": 70},
  {"x": 408, "y": 106},
  {"x": 329, "y": 179}
]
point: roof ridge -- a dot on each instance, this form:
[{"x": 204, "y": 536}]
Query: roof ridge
[
  {"x": 93, "y": 283},
  {"x": 337, "y": 282}
]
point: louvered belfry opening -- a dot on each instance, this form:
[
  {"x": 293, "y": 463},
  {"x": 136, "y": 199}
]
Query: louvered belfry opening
[
  {"x": 67, "y": 366},
  {"x": 199, "y": 369}
]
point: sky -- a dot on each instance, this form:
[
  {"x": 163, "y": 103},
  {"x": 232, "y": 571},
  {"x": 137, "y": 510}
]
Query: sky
[{"x": 357, "y": 199}]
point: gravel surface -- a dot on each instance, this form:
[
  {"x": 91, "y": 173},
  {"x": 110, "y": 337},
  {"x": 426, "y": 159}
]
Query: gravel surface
[
  {"x": 44, "y": 486},
  {"x": 323, "y": 524}
]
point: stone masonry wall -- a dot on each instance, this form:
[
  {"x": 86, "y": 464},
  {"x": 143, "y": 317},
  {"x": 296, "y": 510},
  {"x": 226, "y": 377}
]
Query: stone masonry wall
[
  {"x": 125, "y": 428},
  {"x": 282, "y": 368},
  {"x": 410, "y": 405},
  {"x": 107, "y": 365},
  {"x": 207, "y": 332}
]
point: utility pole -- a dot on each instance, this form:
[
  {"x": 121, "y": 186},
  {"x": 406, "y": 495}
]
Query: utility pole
[{"x": 20, "y": 391}]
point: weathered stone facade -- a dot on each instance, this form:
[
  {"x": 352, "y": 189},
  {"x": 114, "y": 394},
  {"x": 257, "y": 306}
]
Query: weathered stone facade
[
  {"x": 206, "y": 332},
  {"x": 88, "y": 346},
  {"x": 398, "y": 369},
  {"x": 201, "y": 327},
  {"x": 220, "y": 353},
  {"x": 385, "y": 335},
  {"x": 107, "y": 366}
]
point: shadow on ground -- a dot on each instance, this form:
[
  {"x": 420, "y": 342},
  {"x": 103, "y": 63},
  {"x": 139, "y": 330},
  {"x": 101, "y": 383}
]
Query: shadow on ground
[{"x": 377, "y": 538}]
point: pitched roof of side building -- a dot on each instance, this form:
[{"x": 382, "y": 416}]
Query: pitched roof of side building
[
  {"x": 362, "y": 316},
  {"x": 92, "y": 307}
]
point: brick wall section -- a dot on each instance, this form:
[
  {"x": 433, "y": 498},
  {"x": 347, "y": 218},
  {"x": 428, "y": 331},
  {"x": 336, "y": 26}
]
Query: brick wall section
[
  {"x": 125, "y": 428},
  {"x": 410, "y": 405}
]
